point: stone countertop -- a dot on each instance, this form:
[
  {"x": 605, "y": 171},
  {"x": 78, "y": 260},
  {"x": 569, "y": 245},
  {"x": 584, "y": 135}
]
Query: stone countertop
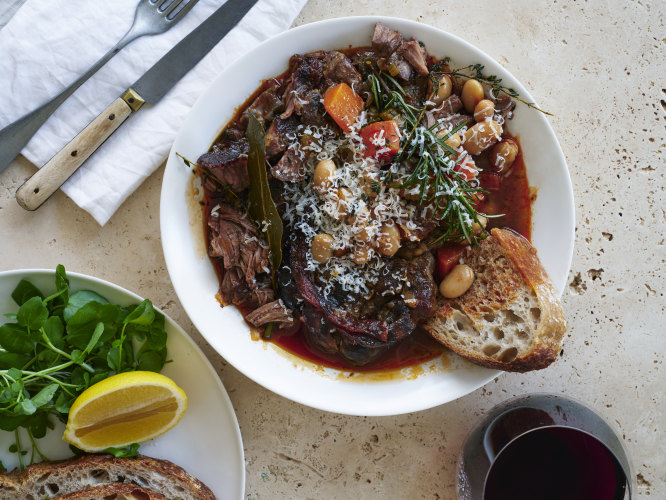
[{"x": 599, "y": 66}]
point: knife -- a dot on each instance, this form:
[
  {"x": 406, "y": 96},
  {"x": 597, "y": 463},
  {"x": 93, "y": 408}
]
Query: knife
[{"x": 150, "y": 88}]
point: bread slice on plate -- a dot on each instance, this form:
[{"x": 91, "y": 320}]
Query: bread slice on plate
[
  {"x": 58, "y": 479},
  {"x": 510, "y": 318}
]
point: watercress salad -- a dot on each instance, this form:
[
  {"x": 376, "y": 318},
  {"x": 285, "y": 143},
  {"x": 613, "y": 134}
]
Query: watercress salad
[{"x": 61, "y": 344}]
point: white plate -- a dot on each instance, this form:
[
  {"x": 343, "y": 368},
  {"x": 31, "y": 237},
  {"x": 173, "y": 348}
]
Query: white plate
[
  {"x": 196, "y": 283},
  {"x": 206, "y": 442}
]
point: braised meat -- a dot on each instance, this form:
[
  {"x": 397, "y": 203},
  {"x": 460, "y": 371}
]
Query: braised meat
[
  {"x": 279, "y": 135},
  {"x": 339, "y": 69},
  {"x": 395, "y": 64},
  {"x": 306, "y": 74},
  {"x": 235, "y": 240},
  {"x": 443, "y": 112},
  {"x": 398, "y": 57},
  {"x": 267, "y": 103},
  {"x": 291, "y": 167},
  {"x": 385, "y": 40},
  {"x": 414, "y": 54},
  {"x": 361, "y": 329},
  {"x": 504, "y": 105},
  {"x": 273, "y": 312},
  {"x": 228, "y": 164}
]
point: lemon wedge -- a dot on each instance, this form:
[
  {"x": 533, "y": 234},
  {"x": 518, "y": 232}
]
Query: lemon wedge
[{"x": 130, "y": 407}]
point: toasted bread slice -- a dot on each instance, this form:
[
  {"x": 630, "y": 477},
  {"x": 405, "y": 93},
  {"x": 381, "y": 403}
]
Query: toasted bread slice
[
  {"x": 50, "y": 479},
  {"x": 113, "y": 491},
  {"x": 510, "y": 318}
]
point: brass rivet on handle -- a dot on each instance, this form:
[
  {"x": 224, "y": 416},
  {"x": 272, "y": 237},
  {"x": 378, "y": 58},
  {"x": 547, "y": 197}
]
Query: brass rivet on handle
[{"x": 133, "y": 99}]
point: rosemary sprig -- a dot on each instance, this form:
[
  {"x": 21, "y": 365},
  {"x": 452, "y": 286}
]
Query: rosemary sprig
[
  {"x": 440, "y": 185},
  {"x": 494, "y": 82}
]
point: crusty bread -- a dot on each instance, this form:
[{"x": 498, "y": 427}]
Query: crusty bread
[
  {"x": 113, "y": 491},
  {"x": 510, "y": 318},
  {"x": 50, "y": 479}
]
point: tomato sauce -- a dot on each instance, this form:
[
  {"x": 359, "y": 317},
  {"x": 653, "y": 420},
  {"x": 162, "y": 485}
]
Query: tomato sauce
[{"x": 513, "y": 199}]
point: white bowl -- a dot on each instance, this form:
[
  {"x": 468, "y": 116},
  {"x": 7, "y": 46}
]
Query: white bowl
[{"x": 195, "y": 281}]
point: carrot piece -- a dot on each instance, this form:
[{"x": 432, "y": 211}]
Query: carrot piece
[
  {"x": 382, "y": 139},
  {"x": 343, "y": 104}
]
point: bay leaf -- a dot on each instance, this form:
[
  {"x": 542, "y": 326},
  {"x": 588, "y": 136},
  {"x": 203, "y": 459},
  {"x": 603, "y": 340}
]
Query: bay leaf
[{"x": 261, "y": 206}]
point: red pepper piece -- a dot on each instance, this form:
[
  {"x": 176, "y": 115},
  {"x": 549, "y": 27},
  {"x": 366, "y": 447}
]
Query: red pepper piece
[{"x": 382, "y": 140}]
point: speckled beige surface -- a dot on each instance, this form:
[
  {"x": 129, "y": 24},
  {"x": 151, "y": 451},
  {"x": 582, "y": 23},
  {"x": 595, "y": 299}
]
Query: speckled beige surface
[{"x": 599, "y": 66}]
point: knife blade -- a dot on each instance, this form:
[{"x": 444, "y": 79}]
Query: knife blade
[{"x": 149, "y": 88}]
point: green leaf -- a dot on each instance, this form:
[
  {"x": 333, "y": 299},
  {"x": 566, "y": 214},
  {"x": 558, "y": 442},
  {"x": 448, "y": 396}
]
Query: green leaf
[
  {"x": 47, "y": 357},
  {"x": 112, "y": 359},
  {"x": 142, "y": 314},
  {"x": 81, "y": 326},
  {"x": 99, "y": 329},
  {"x": 79, "y": 299},
  {"x": 15, "y": 339},
  {"x": 15, "y": 373},
  {"x": 154, "y": 335},
  {"x": 80, "y": 377},
  {"x": 17, "y": 387},
  {"x": 61, "y": 281},
  {"x": 99, "y": 376},
  {"x": 26, "y": 407},
  {"x": 24, "y": 291},
  {"x": 12, "y": 359},
  {"x": 128, "y": 451},
  {"x": 260, "y": 202},
  {"x": 45, "y": 395},
  {"x": 63, "y": 402},
  {"x": 11, "y": 422},
  {"x": 38, "y": 424},
  {"x": 77, "y": 356},
  {"x": 152, "y": 361},
  {"x": 32, "y": 314},
  {"x": 55, "y": 331},
  {"x": 6, "y": 396}
]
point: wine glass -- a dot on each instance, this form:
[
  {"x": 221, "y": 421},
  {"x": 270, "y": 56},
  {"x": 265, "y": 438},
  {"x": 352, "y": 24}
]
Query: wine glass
[{"x": 543, "y": 446}]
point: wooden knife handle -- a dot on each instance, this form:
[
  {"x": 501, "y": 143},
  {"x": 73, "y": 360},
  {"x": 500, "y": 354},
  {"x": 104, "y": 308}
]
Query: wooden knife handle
[{"x": 46, "y": 181}]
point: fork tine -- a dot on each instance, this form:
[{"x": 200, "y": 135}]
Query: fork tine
[
  {"x": 163, "y": 5},
  {"x": 182, "y": 11}
]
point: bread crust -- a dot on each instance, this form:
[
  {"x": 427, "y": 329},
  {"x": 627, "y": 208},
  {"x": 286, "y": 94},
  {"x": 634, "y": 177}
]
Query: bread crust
[
  {"x": 521, "y": 274},
  {"x": 85, "y": 471}
]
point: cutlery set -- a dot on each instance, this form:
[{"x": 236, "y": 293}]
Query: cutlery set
[{"x": 152, "y": 17}]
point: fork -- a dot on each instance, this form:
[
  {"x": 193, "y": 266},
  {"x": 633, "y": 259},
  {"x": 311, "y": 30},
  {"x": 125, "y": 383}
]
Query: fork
[{"x": 152, "y": 17}]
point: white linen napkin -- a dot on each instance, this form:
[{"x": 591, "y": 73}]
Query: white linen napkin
[{"x": 49, "y": 43}]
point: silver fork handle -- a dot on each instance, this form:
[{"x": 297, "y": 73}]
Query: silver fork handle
[{"x": 17, "y": 134}]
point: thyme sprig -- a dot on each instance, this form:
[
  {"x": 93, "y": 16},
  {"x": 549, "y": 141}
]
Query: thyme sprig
[
  {"x": 448, "y": 191},
  {"x": 476, "y": 71}
]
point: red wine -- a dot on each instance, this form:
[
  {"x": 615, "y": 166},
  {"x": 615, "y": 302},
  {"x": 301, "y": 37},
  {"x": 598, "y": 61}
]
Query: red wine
[{"x": 555, "y": 463}]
